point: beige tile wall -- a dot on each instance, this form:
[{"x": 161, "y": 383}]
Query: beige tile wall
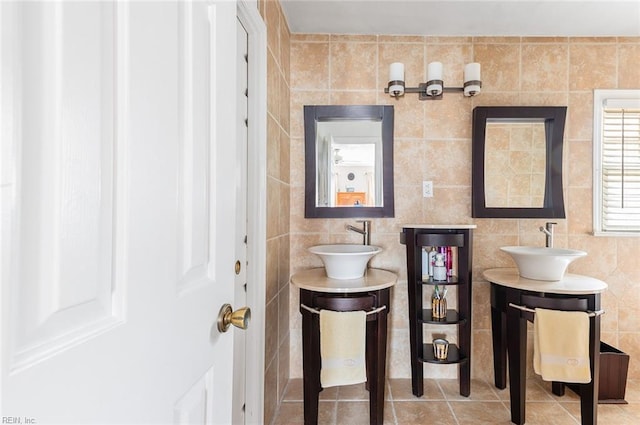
[
  {"x": 278, "y": 200},
  {"x": 433, "y": 142}
]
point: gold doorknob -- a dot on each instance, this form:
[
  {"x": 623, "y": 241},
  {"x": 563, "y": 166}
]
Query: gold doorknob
[{"x": 239, "y": 318}]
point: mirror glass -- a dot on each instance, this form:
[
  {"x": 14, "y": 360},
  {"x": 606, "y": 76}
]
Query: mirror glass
[
  {"x": 348, "y": 161},
  {"x": 348, "y": 153},
  {"x": 514, "y": 164},
  {"x": 517, "y": 162}
]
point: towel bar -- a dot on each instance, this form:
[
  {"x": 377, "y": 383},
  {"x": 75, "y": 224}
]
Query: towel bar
[
  {"x": 316, "y": 311},
  {"x": 530, "y": 310}
]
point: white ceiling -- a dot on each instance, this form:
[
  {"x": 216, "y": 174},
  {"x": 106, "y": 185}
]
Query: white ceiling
[{"x": 465, "y": 17}]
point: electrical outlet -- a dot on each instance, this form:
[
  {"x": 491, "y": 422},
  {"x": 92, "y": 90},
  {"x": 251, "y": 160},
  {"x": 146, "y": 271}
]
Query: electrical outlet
[{"x": 427, "y": 189}]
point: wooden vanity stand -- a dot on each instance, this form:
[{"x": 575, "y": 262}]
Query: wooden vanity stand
[
  {"x": 368, "y": 293},
  {"x": 509, "y": 330}
]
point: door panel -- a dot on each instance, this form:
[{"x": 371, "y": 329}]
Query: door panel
[
  {"x": 193, "y": 407},
  {"x": 118, "y": 125},
  {"x": 61, "y": 285},
  {"x": 194, "y": 139}
]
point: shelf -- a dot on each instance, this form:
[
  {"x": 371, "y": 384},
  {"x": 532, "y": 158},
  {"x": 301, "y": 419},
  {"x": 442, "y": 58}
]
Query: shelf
[
  {"x": 453, "y": 280},
  {"x": 461, "y": 240},
  {"x": 453, "y": 318},
  {"x": 453, "y": 356}
]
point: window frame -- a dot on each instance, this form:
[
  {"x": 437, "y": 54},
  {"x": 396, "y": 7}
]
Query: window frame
[{"x": 600, "y": 96}]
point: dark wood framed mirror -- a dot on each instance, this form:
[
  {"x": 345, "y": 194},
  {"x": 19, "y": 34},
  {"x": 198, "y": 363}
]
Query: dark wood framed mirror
[
  {"x": 348, "y": 161},
  {"x": 517, "y": 162}
]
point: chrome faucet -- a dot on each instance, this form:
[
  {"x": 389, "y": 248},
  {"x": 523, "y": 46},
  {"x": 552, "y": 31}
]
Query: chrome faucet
[
  {"x": 548, "y": 232},
  {"x": 365, "y": 231}
]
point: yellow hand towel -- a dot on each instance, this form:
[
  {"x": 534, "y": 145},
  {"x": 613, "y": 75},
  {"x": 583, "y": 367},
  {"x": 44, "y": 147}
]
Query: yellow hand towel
[
  {"x": 342, "y": 347},
  {"x": 561, "y": 346}
]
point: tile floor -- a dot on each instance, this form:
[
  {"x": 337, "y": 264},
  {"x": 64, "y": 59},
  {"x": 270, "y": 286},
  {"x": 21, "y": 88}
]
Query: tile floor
[{"x": 443, "y": 405}]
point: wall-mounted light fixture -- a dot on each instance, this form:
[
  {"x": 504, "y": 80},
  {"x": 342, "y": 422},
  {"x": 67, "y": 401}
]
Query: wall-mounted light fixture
[{"x": 434, "y": 87}]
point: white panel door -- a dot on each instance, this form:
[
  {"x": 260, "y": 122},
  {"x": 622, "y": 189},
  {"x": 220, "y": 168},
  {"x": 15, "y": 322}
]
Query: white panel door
[{"x": 118, "y": 129}]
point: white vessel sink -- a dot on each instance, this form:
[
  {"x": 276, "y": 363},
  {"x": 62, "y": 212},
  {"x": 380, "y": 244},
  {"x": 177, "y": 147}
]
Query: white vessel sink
[
  {"x": 540, "y": 263},
  {"x": 344, "y": 261}
]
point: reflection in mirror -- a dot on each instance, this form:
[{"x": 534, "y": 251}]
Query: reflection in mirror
[
  {"x": 348, "y": 161},
  {"x": 517, "y": 162},
  {"x": 348, "y": 155}
]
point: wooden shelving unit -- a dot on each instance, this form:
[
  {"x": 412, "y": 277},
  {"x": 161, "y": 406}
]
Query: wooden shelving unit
[{"x": 415, "y": 237}]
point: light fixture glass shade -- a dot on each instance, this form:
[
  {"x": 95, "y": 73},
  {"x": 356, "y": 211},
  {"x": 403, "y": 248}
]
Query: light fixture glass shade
[
  {"x": 472, "y": 80},
  {"x": 396, "y": 79},
  {"x": 434, "y": 78}
]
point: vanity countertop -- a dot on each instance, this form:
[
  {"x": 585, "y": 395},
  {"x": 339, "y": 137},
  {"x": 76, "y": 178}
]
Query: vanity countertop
[
  {"x": 317, "y": 280},
  {"x": 439, "y": 226},
  {"x": 570, "y": 284}
]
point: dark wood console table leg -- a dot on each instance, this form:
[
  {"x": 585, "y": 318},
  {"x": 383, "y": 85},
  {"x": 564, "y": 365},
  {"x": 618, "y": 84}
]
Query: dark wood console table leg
[
  {"x": 589, "y": 392},
  {"x": 517, "y": 346},
  {"x": 499, "y": 336},
  {"x": 465, "y": 267},
  {"x": 557, "y": 388},
  {"x": 416, "y": 342},
  {"x": 377, "y": 353},
  {"x": 311, "y": 364},
  {"x": 414, "y": 255}
]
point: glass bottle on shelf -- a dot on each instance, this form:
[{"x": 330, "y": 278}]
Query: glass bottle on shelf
[{"x": 439, "y": 268}]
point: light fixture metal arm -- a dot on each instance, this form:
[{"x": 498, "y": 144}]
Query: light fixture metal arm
[{"x": 421, "y": 90}]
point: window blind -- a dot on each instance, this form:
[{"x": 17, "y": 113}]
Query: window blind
[{"x": 620, "y": 168}]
